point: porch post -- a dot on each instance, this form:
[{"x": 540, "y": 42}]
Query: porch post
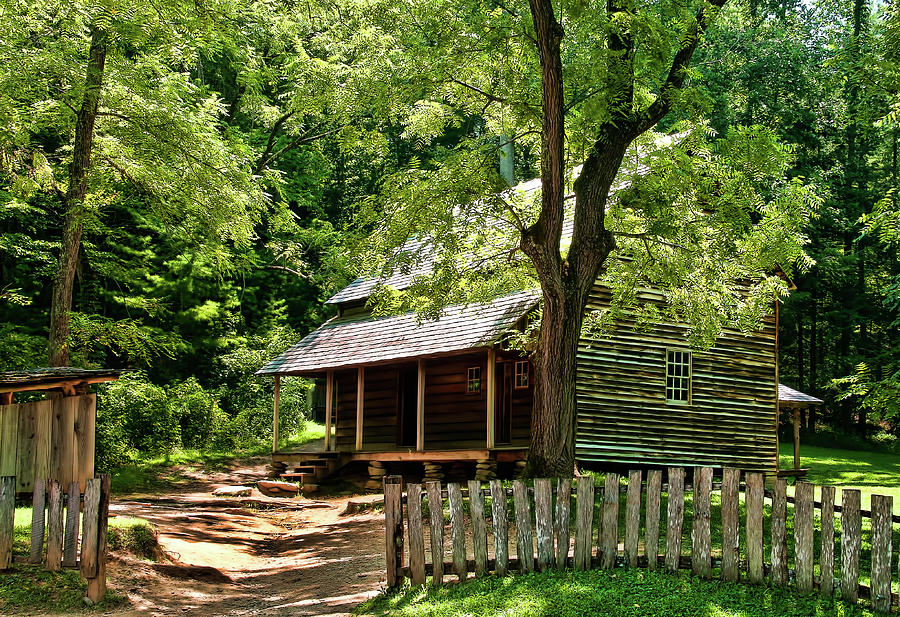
[
  {"x": 420, "y": 408},
  {"x": 275, "y": 413},
  {"x": 329, "y": 406},
  {"x": 489, "y": 384},
  {"x": 360, "y": 396}
]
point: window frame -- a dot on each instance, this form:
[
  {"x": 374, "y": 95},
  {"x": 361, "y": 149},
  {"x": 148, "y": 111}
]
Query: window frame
[
  {"x": 476, "y": 370},
  {"x": 526, "y": 373},
  {"x": 689, "y": 378}
]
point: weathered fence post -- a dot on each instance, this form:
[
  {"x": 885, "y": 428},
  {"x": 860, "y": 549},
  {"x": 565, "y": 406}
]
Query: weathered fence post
[
  {"x": 38, "y": 508},
  {"x": 779, "y": 573},
  {"x": 524, "y": 544},
  {"x": 436, "y": 520},
  {"x": 393, "y": 528},
  {"x": 609, "y": 522},
  {"x": 804, "y": 513},
  {"x": 97, "y": 585},
  {"x": 584, "y": 519},
  {"x": 73, "y": 514},
  {"x": 675, "y": 520},
  {"x": 543, "y": 522},
  {"x": 851, "y": 530},
  {"x": 731, "y": 522},
  {"x": 882, "y": 530},
  {"x": 479, "y": 528},
  {"x": 457, "y": 531},
  {"x": 54, "y": 527},
  {"x": 701, "y": 550},
  {"x": 754, "y": 500},
  {"x": 501, "y": 528},
  {"x": 651, "y": 519},
  {"x": 632, "y": 518},
  {"x": 7, "y": 519},
  {"x": 826, "y": 553},
  {"x": 416, "y": 534},
  {"x": 563, "y": 532}
]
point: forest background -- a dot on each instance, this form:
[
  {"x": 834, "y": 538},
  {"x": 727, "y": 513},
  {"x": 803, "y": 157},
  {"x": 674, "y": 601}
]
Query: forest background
[{"x": 238, "y": 153}]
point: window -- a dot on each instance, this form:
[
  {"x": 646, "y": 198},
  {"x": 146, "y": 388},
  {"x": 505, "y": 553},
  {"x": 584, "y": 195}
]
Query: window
[
  {"x": 678, "y": 376},
  {"x": 473, "y": 380},
  {"x": 522, "y": 374}
]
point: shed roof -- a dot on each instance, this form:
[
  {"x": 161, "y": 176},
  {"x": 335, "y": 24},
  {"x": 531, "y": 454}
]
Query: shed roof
[
  {"x": 361, "y": 339},
  {"x": 794, "y": 398},
  {"x": 49, "y": 378}
]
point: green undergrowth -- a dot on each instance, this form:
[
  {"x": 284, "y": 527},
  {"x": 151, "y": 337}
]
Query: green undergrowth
[{"x": 611, "y": 593}]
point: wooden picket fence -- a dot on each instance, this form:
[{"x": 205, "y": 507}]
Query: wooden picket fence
[
  {"x": 549, "y": 526},
  {"x": 61, "y": 523}
]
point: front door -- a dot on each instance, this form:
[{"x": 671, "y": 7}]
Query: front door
[{"x": 407, "y": 403}]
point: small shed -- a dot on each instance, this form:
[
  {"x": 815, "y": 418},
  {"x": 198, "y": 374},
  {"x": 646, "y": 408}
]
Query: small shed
[
  {"x": 52, "y": 438},
  {"x": 794, "y": 400}
]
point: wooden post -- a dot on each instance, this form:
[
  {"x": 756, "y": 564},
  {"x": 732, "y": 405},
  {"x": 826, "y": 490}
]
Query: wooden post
[
  {"x": 416, "y": 534},
  {"x": 420, "y": 407},
  {"x": 731, "y": 523},
  {"x": 796, "y": 438},
  {"x": 609, "y": 520},
  {"x": 804, "y": 512},
  {"x": 675, "y": 520},
  {"x": 360, "y": 397},
  {"x": 851, "y": 530},
  {"x": 651, "y": 520},
  {"x": 584, "y": 518},
  {"x": 73, "y": 514},
  {"x": 700, "y": 530},
  {"x": 563, "y": 532},
  {"x": 491, "y": 397},
  {"x": 754, "y": 500},
  {"x": 329, "y": 408},
  {"x": 393, "y": 529},
  {"x": 38, "y": 508},
  {"x": 54, "y": 527},
  {"x": 275, "y": 409},
  {"x": 7, "y": 519},
  {"x": 632, "y": 518},
  {"x": 779, "y": 573},
  {"x": 543, "y": 522},
  {"x": 479, "y": 527},
  {"x": 826, "y": 552},
  {"x": 882, "y": 528},
  {"x": 436, "y": 516},
  {"x": 97, "y": 585},
  {"x": 524, "y": 545},
  {"x": 457, "y": 531},
  {"x": 90, "y": 534},
  {"x": 501, "y": 528}
]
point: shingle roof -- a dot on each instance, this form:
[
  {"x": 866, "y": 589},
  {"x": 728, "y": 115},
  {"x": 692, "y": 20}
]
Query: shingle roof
[
  {"x": 361, "y": 339},
  {"x": 48, "y": 377},
  {"x": 790, "y": 396}
]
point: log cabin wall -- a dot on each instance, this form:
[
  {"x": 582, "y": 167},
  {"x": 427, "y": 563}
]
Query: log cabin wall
[
  {"x": 380, "y": 400},
  {"x": 455, "y": 419},
  {"x": 624, "y": 416},
  {"x": 345, "y": 425}
]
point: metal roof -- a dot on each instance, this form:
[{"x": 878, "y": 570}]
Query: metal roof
[
  {"x": 361, "y": 339},
  {"x": 791, "y": 397}
]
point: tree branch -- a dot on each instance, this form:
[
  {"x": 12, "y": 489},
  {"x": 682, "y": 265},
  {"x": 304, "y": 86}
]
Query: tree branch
[
  {"x": 271, "y": 141},
  {"x": 298, "y": 141}
]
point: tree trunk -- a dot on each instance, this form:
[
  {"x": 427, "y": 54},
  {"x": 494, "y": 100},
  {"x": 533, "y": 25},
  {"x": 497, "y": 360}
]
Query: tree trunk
[{"x": 73, "y": 201}]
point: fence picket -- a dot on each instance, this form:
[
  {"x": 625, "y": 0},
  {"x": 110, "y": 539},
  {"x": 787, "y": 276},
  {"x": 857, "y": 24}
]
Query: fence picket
[
  {"x": 54, "y": 527},
  {"x": 501, "y": 528},
  {"x": 851, "y": 528},
  {"x": 479, "y": 528},
  {"x": 90, "y": 533},
  {"x": 563, "y": 532},
  {"x": 609, "y": 516},
  {"x": 73, "y": 512},
  {"x": 804, "y": 500},
  {"x": 701, "y": 558},
  {"x": 436, "y": 516},
  {"x": 731, "y": 523},
  {"x": 651, "y": 520},
  {"x": 882, "y": 530},
  {"x": 675, "y": 519},
  {"x": 38, "y": 508},
  {"x": 584, "y": 518},
  {"x": 416, "y": 534},
  {"x": 524, "y": 543},
  {"x": 826, "y": 552},
  {"x": 779, "y": 572},
  {"x": 96, "y": 588},
  {"x": 7, "y": 519},
  {"x": 457, "y": 531},
  {"x": 632, "y": 518},
  {"x": 393, "y": 528},
  {"x": 754, "y": 499},
  {"x": 543, "y": 514}
]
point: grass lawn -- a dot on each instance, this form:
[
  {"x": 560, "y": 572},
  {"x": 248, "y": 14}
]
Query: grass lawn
[{"x": 597, "y": 592}]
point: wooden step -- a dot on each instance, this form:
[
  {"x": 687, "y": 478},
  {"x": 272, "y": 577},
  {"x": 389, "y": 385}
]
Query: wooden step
[
  {"x": 305, "y": 469},
  {"x": 317, "y": 462},
  {"x": 298, "y": 477}
]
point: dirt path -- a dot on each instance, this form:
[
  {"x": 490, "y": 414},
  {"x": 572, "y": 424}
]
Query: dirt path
[{"x": 231, "y": 561}]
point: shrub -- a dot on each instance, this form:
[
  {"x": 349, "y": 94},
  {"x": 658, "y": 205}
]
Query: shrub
[{"x": 195, "y": 409}]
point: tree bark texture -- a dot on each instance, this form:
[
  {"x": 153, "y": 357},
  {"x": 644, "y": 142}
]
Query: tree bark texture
[{"x": 73, "y": 201}]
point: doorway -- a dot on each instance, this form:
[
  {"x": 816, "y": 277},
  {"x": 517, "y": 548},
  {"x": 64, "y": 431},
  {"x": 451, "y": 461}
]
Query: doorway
[{"x": 408, "y": 389}]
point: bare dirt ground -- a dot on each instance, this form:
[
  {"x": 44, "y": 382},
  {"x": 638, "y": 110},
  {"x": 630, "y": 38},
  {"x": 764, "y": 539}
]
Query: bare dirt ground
[{"x": 238, "y": 561}]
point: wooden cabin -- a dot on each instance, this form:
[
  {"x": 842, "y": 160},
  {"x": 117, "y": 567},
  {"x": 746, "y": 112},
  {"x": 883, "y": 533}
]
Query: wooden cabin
[
  {"x": 53, "y": 437},
  {"x": 449, "y": 390}
]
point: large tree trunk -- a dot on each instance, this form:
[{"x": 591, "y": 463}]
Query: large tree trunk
[{"x": 73, "y": 202}]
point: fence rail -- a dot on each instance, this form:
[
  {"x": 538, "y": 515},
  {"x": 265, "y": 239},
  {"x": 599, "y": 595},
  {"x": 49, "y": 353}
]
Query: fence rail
[
  {"x": 551, "y": 532},
  {"x": 62, "y": 522}
]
